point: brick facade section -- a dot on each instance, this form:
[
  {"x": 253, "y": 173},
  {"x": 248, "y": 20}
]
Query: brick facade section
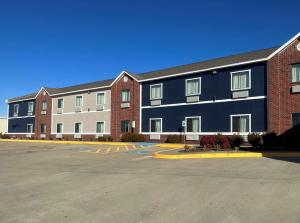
[
  {"x": 117, "y": 113},
  {"x": 281, "y": 102},
  {"x": 43, "y": 119}
]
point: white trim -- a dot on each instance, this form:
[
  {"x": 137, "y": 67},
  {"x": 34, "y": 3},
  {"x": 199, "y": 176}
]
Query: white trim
[
  {"x": 31, "y": 102},
  {"x": 104, "y": 127},
  {"x": 199, "y": 87},
  {"x": 83, "y": 112},
  {"x": 141, "y": 94},
  {"x": 63, "y": 104},
  {"x": 18, "y": 133},
  {"x": 80, "y": 95},
  {"x": 196, "y": 133},
  {"x": 7, "y": 116},
  {"x": 240, "y": 71},
  {"x": 30, "y": 116},
  {"x": 161, "y": 91},
  {"x": 82, "y": 90},
  {"x": 101, "y": 92},
  {"x": 206, "y": 102},
  {"x": 200, "y": 120},
  {"x": 83, "y": 133},
  {"x": 239, "y": 115},
  {"x": 120, "y": 75},
  {"x": 10, "y": 102},
  {"x": 62, "y": 129},
  {"x": 80, "y": 129},
  {"x": 161, "y": 124},
  {"x": 42, "y": 88},
  {"x": 31, "y": 128}
]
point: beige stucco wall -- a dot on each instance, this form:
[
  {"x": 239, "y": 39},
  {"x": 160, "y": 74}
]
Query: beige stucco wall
[
  {"x": 88, "y": 116},
  {"x": 3, "y": 125}
]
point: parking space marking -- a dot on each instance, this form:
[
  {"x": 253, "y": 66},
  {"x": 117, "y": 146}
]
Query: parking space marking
[
  {"x": 126, "y": 147},
  {"x": 98, "y": 150},
  {"x": 108, "y": 150}
]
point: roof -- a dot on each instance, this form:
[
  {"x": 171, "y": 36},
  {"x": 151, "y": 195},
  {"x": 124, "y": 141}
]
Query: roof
[
  {"x": 23, "y": 98},
  {"x": 209, "y": 64}
]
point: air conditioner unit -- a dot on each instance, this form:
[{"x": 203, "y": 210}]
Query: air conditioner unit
[
  {"x": 29, "y": 113},
  {"x": 125, "y": 105},
  {"x": 77, "y": 136},
  {"x": 78, "y": 109},
  {"x": 100, "y": 107},
  {"x": 59, "y": 111},
  {"x": 43, "y": 112}
]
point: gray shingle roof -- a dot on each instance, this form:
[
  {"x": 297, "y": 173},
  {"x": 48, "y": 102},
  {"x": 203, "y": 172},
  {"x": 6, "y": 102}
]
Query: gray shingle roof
[
  {"x": 24, "y": 97},
  {"x": 223, "y": 61}
]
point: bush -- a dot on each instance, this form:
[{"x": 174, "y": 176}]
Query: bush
[
  {"x": 3, "y": 136},
  {"x": 127, "y": 137},
  {"x": 105, "y": 138},
  {"x": 208, "y": 141},
  {"x": 173, "y": 139},
  {"x": 138, "y": 138},
  {"x": 270, "y": 140},
  {"x": 224, "y": 142},
  {"x": 254, "y": 139},
  {"x": 236, "y": 140}
]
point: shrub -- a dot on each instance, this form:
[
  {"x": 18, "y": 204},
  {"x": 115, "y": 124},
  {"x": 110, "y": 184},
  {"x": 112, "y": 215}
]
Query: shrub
[
  {"x": 254, "y": 139},
  {"x": 127, "y": 137},
  {"x": 105, "y": 138},
  {"x": 138, "y": 138},
  {"x": 236, "y": 140},
  {"x": 270, "y": 139},
  {"x": 3, "y": 136},
  {"x": 208, "y": 141},
  {"x": 173, "y": 139},
  {"x": 224, "y": 142}
]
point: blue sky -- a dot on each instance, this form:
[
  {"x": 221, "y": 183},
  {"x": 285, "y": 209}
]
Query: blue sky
[{"x": 60, "y": 43}]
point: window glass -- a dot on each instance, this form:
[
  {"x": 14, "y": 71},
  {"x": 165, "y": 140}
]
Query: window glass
[
  {"x": 193, "y": 87},
  {"x": 29, "y": 128},
  {"x": 60, "y": 103},
  {"x": 78, "y": 127},
  {"x": 16, "y": 109},
  {"x": 59, "y": 127},
  {"x": 155, "y": 125},
  {"x": 295, "y": 119},
  {"x": 240, "y": 80},
  {"x": 43, "y": 128},
  {"x": 241, "y": 123},
  {"x": 193, "y": 124},
  {"x": 125, "y": 126},
  {"x": 78, "y": 101},
  {"x": 44, "y": 106},
  {"x": 100, "y": 127},
  {"x": 296, "y": 73},
  {"x": 30, "y": 107},
  {"x": 125, "y": 95},
  {"x": 156, "y": 91},
  {"x": 100, "y": 98}
]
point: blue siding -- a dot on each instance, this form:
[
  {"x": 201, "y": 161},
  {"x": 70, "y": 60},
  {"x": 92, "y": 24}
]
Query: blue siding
[
  {"x": 215, "y": 117},
  {"x": 218, "y": 85},
  {"x": 19, "y": 125},
  {"x": 23, "y": 108}
]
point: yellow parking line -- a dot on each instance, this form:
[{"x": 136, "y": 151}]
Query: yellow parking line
[{"x": 108, "y": 150}]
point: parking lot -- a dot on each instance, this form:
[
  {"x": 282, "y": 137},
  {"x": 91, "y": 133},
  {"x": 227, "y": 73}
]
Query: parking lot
[{"x": 82, "y": 183}]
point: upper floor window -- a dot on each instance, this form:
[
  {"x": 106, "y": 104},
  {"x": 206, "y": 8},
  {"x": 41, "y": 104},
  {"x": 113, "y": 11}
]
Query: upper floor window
[
  {"x": 60, "y": 103},
  {"x": 295, "y": 73},
  {"x": 78, "y": 101},
  {"x": 193, "y": 124},
  {"x": 295, "y": 119},
  {"x": 240, "y": 123},
  {"x": 30, "y": 107},
  {"x": 78, "y": 127},
  {"x": 44, "y": 106},
  {"x": 125, "y": 95},
  {"x": 155, "y": 125},
  {"x": 101, "y": 98},
  {"x": 192, "y": 86},
  {"x": 16, "y": 109},
  {"x": 156, "y": 91},
  {"x": 100, "y": 127},
  {"x": 240, "y": 80}
]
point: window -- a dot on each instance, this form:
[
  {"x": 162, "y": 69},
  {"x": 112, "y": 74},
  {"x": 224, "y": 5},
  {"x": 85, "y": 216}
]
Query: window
[
  {"x": 30, "y": 107},
  {"x": 60, "y": 103},
  {"x": 240, "y": 123},
  {"x": 29, "y": 128},
  {"x": 296, "y": 73},
  {"x": 16, "y": 109},
  {"x": 193, "y": 124},
  {"x": 59, "y": 128},
  {"x": 100, "y": 127},
  {"x": 125, "y": 126},
  {"x": 155, "y": 125},
  {"x": 193, "y": 86},
  {"x": 78, "y": 127},
  {"x": 295, "y": 119},
  {"x": 43, "y": 129},
  {"x": 240, "y": 80},
  {"x": 44, "y": 106},
  {"x": 78, "y": 101},
  {"x": 156, "y": 91},
  {"x": 125, "y": 95},
  {"x": 101, "y": 98}
]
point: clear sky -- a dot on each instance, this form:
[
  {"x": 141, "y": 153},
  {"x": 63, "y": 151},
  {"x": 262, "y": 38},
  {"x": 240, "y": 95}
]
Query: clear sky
[{"x": 57, "y": 43}]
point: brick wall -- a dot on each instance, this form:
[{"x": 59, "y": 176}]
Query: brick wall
[
  {"x": 43, "y": 119},
  {"x": 117, "y": 113},
  {"x": 281, "y": 103}
]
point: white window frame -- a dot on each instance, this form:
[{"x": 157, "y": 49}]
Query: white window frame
[
  {"x": 297, "y": 64},
  {"x": 63, "y": 104},
  {"x": 200, "y": 89},
  {"x": 200, "y": 120},
  {"x": 235, "y": 115},
  {"x": 75, "y": 128},
  {"x": 14, "y": 111},
  {"x": 42, "y": 109},
  {"x": 240, "y": 71},
  {"x": 104, "y": 127},
  {"x": 81, "y": 100},
  {"x": 62, "y": 127},
  {"x": 161, "y": 124},
  {"x": 161, "y": 93},
  {"x": 32, "y": 103},
  {"x": 101, "y": 92},
  {"x": 31, "y": 128},
  {"x": 128, "y": 90}
]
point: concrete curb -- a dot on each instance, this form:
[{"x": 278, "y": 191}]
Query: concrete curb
[{"x": 158, "y": 155}]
